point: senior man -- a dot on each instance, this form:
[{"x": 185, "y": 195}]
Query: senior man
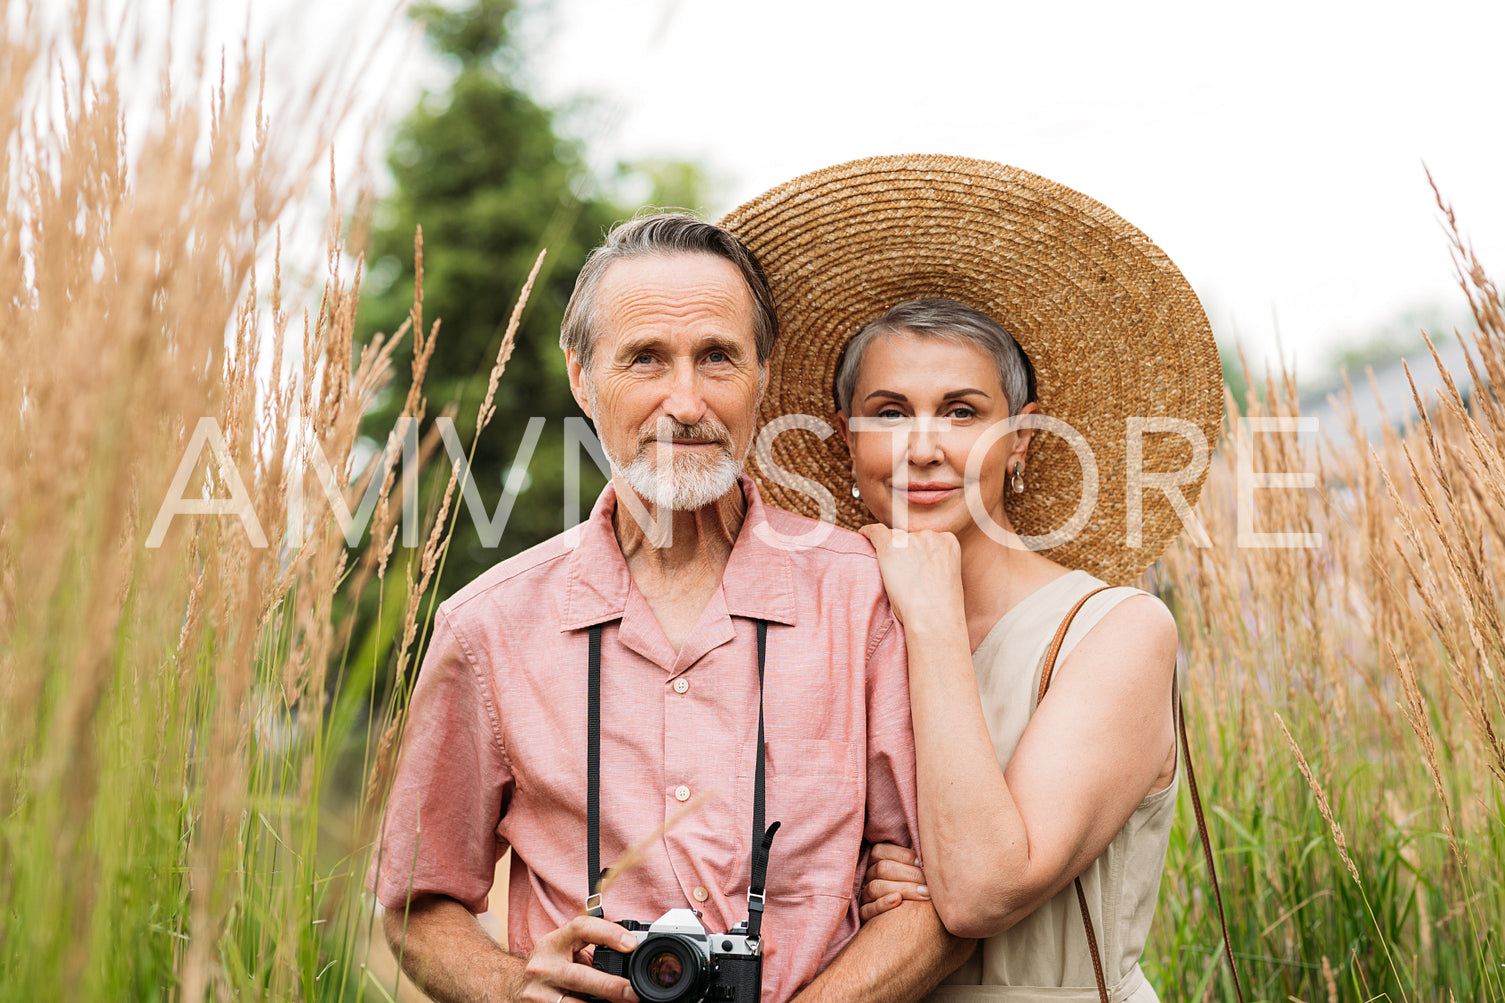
[{"x": 678, "y": 572}]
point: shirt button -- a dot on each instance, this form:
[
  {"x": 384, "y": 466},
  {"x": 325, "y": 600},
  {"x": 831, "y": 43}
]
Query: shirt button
[
  {"x": 681, "y": 793},
  {"x": 700, "y": 894},
  {"x": 681, "y": 684}
]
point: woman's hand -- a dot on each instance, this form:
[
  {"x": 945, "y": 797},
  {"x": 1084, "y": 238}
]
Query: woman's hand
[
  {"x": 893, "y": 875},
  {"x": 922, "y": 572}
]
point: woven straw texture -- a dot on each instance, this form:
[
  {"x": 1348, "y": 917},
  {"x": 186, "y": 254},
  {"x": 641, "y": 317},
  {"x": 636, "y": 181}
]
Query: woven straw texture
[{"x": 1111, "y": 326}]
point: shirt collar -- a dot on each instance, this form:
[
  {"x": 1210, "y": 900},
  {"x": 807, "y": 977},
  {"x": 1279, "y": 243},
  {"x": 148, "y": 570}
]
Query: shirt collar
[{"x": 758, "y": 581}]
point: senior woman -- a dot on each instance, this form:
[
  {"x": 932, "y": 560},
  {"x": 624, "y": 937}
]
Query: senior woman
[{"x": 1026, "y": 390}]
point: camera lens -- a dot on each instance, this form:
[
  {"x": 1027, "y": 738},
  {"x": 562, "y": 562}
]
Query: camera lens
[{"x": 667, "y": 968}]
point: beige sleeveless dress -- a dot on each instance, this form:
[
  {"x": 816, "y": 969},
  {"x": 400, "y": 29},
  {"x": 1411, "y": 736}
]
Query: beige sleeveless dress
[{"x": 1044, "y": 957}]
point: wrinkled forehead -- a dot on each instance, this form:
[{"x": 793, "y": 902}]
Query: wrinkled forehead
[{"x": 683, "y": 294}]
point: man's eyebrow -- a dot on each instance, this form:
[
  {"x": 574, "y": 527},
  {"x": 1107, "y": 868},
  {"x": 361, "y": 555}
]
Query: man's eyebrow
[
  {"x": 633, "y": 346},
  {"x": 636, "y": 345},
  {"x": 720, "y": 343}
]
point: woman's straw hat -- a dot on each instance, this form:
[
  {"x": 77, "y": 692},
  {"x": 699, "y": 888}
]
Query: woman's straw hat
[{"x": 1112, "y": 328}]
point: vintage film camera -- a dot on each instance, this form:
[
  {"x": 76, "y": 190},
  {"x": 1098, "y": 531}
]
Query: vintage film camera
[{"x": 676, "y": 961}]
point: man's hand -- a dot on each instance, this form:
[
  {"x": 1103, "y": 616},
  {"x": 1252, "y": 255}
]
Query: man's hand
[
  {"x": 560, "y": 968},
  {"x": 893, "y": 875},
  {"x": 453, "y": 959},
  {"x": 897, "y": 958}
]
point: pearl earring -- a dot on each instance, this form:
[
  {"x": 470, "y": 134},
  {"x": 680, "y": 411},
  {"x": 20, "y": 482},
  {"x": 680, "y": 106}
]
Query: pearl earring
[
  {"x": 1017, "y": 480},
  {"x": 856, "y": 493}
]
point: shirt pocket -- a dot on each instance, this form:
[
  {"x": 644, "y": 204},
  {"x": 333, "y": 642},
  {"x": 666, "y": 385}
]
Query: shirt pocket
[{"x": 814, "y": 794}]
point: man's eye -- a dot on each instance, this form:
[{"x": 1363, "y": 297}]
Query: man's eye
[
  {"x": 643, "y": 359},
  {"x": 717, "y": 357}
]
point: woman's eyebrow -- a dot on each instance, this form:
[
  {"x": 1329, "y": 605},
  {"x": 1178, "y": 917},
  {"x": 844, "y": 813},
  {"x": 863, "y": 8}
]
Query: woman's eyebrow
[{"x": 895, "y": 395}]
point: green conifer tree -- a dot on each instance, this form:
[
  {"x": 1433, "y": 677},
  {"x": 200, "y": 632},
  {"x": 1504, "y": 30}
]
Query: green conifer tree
[{"x": 481, "y": 168}]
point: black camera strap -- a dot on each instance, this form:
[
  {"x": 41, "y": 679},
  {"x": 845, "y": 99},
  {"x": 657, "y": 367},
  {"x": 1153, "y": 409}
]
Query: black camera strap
[
  {"x": 593, "y": 779},
  {"x": 762, "y": 838}
]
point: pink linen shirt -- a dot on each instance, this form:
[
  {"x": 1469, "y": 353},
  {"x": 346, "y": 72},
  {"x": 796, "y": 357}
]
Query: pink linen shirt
[{"x": 494, "y": 754}]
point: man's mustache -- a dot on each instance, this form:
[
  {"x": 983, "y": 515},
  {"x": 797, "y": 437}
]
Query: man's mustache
[{"x": 668, "y": 429}]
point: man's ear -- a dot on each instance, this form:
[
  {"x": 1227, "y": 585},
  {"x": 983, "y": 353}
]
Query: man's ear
[{"x": 577, "y": 382}]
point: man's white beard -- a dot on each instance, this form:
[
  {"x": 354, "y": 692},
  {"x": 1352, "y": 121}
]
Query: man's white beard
[{"x": 689, "y": 482}]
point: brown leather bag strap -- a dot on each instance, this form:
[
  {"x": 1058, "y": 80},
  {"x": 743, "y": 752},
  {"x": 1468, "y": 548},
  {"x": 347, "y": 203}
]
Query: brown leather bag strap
[
  {"x": 1097, "y": 958},
  {"x": 1055, "y": 643},
  {"x": 1046, "y": 672},
  {"x": 1196, "y": 804}
]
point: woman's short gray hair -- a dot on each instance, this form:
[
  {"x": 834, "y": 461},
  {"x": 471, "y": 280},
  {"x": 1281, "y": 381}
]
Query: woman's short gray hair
[
  {"x": 664, "y": 233},
  {"x": 952, "y": 321}
]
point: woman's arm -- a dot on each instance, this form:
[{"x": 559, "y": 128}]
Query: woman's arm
[{"x": 999, "y": 843}]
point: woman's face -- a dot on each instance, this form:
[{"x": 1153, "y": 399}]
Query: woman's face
[{"x": 910, "y": 468}]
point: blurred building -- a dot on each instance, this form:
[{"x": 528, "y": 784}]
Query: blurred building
[{"x": 1382, "y": 394}]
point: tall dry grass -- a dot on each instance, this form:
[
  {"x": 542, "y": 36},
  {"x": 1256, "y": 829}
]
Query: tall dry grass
[
  {"x": 170, "y": 716},
  {"x": 1348, "y": 705},
  {"x": 171, "y": 713}
]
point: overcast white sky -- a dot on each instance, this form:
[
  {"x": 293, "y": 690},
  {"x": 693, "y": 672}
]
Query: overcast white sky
[{"x": 1274, "y": 150}]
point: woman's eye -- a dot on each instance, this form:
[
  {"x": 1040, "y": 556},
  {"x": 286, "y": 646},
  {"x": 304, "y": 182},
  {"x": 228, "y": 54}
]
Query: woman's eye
[
  {"x": 890, "y": 412},
  {"x": 962, "y": 412}
]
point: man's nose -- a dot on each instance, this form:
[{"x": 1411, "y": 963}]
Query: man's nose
[{"x": 685, "y": 402}]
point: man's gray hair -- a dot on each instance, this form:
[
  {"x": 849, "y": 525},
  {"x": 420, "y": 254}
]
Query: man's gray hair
[
  {"x": 665, "y": 233},
  {"x": 952, "y": 321}
]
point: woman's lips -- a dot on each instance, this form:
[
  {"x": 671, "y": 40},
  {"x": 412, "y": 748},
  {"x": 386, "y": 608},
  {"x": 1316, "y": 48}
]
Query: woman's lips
[{"x": 927, "y": 493}]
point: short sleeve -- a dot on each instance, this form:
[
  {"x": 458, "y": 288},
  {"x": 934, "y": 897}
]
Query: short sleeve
[
  {"x": 892, "y": 812},
  {"x": 439, "y": 833}
]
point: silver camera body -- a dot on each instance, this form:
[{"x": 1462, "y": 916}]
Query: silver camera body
[{"x": 677, "y": 961}]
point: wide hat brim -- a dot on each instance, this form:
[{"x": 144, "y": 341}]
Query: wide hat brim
[{"x": 1113, "y": 329}]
